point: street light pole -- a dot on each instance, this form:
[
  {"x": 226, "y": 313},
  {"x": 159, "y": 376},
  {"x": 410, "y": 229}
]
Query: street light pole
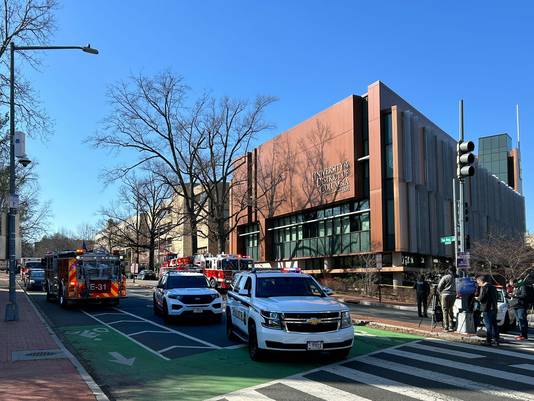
[{"x": 12, "y": 311}]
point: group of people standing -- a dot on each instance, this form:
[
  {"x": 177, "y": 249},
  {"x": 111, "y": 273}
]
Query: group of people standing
[{"x": 484, "y": 303}]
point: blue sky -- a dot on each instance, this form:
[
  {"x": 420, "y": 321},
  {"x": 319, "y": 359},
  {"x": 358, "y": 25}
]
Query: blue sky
[{"x": 310, "y": 54}]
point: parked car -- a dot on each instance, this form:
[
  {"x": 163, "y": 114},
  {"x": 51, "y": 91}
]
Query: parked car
[
  {"x": 147, "y": 275},
  {"x": 180, "y": 293},
  {"x": 281, "y": 311},
  {"x": 34, "y": 280}
]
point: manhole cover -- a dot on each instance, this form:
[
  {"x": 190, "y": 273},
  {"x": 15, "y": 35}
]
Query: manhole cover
[{"x": 37, "y": 354}]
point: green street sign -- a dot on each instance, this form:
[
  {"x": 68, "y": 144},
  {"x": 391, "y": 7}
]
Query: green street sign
[{"x": 447, "y": 240}]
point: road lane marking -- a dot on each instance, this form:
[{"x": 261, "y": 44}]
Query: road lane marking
[
  {"x": 461, "y": 354},
  {"x": 320, "y": 390},
  {"x": 106, "y": 313},
  {"x": 447, "y": 379},
  {"x": 244, "y": 395},
  {"x": 389, "y": 385},
  {"x": 493, "y": 350},
  {"x": 461, "y": 366},
  {"x": 182, "y": 346},
  {"x": 526, "y": 366},
  {"x": 125, "y": 321},
  {"x": 121, "y": 359},
  {"x": 125, "y": 335},
  {"x": 172, "y": 330},
  {"x": 147, "y": 331}
]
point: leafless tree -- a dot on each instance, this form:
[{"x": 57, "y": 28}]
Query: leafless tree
[
  {"x": 228, "y": 127},
  {"x": 141, "y": 214},
  {"x": 150, "y": 119}
]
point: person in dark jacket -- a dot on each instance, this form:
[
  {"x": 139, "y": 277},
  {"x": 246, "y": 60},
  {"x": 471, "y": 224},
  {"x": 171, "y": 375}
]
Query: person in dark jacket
[
  {"x": 447, "y": 292},
  {"x": 519, "y": 305},
  {"x": 422, "y": 290},
  {"x": 488, "y": 306}
]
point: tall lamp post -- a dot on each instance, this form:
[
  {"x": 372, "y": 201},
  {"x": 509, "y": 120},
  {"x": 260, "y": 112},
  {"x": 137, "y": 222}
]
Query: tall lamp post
[{"x": 12, "y": 312}]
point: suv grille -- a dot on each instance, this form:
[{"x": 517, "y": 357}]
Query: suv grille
[
  {"x": 325, "y": 315},
  {"x": 196, "y": 299},
  {"x": 311, "y": 328}
]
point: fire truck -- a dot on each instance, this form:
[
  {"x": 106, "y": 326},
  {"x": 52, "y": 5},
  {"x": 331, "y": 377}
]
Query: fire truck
[
  {"x": 220, "y": 269},
  {"x": 176, "y": 263},
  {"x": 84, "y": 277}
]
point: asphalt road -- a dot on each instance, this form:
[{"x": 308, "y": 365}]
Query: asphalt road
[{"x": 134, "y": 355}]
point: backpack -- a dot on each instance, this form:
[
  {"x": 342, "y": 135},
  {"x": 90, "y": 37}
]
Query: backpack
[{"x": 529, "y": 301}]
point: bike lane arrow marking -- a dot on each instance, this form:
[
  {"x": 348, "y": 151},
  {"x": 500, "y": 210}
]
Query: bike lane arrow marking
[{"x": 119, "y": 358}]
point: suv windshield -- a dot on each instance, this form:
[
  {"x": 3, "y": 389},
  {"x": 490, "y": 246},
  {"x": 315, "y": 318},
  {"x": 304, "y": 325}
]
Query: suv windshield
[
  {"x": 37, "y": 274},
  {"x": 186, "y": 282},
  {"x": 34, "y": 265},
  {"x": 287, "y": 287}
]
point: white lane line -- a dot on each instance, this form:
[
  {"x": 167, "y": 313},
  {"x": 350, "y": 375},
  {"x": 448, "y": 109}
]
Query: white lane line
[
  {"x": 461, "y": 354},
  {"x": 125, "y": 321},
  {"x": 182, "y": 346},
  {"x": 461, "y": 366},
  {"x": 245, "y": 395},
  {"x": 106, "y": 313},
  {"x": 236, "y": 346},
  {"x": 174, "y": 331},
  {"x": 148, "y": 331},
  {"x": 447, "y": 379},
  {"x": 361, "y": 333},
  {"x": 526, "y": 366},
  {"x": 129, "y": 338},
  {"x": 418, "y": 393},
  {"x": 493, "y": 350},
  {"x": 320, "y": 390}
]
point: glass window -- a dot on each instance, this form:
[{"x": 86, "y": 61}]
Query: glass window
[
  {"x": 328, "y": 224},
  {"x": 346, "y": 225},
  {"x": 365, "y": 221},
  {"x": 337, "y": 226},
  {"x": 300, "y": 232},
  {"x": 322, "y": 232}
]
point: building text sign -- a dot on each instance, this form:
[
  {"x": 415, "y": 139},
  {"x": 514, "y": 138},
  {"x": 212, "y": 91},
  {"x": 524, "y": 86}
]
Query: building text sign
[{"x": 333, "y": 179}]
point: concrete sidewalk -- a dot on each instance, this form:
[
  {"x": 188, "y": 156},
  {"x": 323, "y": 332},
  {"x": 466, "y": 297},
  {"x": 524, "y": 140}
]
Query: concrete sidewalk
[{"x": 34, "y": 364}]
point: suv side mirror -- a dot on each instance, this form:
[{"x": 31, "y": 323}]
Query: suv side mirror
[
  {"x": 328, "y": 291},
  {"x": 244, "y": 292}
]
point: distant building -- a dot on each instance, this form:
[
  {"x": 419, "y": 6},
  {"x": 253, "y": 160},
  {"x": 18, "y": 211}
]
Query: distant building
[
  {"x": 368, "y": 175},
  {"x": 495, "y": 154}
]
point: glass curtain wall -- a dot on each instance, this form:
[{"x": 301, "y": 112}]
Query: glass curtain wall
[{"x": 250, "y": 236}]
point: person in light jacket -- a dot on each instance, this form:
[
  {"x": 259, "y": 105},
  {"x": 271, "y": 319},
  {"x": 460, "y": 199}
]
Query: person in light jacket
[{"x": 447, "y": 292}]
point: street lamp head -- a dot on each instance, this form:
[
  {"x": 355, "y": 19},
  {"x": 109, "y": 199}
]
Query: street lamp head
[
  {"x": 89, "y": 49},
  {"x": 24, "y": 161}
]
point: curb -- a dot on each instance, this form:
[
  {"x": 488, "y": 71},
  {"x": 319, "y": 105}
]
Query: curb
[
  {"x": 86, "y": 377},
  {"x": 377, "y": 304},
  {"x": 408, "y": 330}
]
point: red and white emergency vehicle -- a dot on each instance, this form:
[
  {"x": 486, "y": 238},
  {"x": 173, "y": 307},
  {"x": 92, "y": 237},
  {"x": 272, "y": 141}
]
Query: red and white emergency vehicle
[
  {"x": 176, "y": 263},
  {"x": 220, "y": 269},
  {"x": 84, "y": 277}
]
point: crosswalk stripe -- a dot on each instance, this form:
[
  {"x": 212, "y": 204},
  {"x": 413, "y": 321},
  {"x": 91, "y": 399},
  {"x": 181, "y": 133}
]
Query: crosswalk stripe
[
  {"x": 526, "y": 366},
  {"x": 389, "y": 385},
  {"x": 447, "y": 379},
  {"x": 321, "y": 390},
  {"x": 462, "y": 366},
  {"x": 445, "y": 351},
  {"x": 247, "y": 395},
  {"x": 493, "y": 350}
]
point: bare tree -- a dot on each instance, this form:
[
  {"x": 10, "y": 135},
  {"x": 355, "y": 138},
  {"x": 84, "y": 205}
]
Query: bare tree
[
  {"x": 141, "y": 215},
  {"x": 508, "y": 255},
  {"x": 228, "y": 126},
  {"x": 150, "y": 119}
]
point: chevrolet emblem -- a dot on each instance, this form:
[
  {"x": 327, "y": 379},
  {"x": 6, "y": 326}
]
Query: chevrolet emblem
[{"x": 313, "y": 321}]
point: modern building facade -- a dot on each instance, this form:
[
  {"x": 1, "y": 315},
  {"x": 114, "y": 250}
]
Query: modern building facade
[
  {"x": 495, "y": 154},
  {"x": 370, "y": 175}
]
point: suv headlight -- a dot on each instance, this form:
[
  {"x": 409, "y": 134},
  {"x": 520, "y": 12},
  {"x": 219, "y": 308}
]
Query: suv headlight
[
  {"x": 272, "y": 320},
  {"x": 174, "y": 296},
  {"x": 346, "y": 320},
  {"x": 214, "y": 297}
]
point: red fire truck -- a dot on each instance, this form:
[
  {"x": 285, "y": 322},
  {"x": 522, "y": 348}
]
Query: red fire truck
[
  {"x": 176, "y": 263},
  {"x": 83, "y": 277},
  {"x": 220, "y": 269}
]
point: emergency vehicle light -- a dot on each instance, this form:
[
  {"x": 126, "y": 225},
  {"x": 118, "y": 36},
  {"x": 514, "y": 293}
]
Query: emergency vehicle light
[{"x": 79, "y": 251}]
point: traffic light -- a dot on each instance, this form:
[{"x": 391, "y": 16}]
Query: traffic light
[
  {"x": 465, "y": 159},
  {"x": 466, "y": 212}
]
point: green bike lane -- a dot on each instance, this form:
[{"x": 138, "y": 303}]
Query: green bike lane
[{"x": 127, "y": 370}]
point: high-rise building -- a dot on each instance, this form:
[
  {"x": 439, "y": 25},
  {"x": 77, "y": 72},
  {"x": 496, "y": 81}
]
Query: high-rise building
[{"x": 495, "y": 154}]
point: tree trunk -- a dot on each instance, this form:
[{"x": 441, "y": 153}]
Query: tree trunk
[{"x": 151, "y": 253}]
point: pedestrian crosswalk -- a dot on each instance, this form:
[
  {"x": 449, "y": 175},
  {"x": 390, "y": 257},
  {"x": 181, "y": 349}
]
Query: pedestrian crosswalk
[{"x": 425, "y": 370}]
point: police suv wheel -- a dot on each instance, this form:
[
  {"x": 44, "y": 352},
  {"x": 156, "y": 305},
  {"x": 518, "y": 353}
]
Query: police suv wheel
[
  {"x": 229, "y": 326},
  {"x": 155, "y": 306},
  {"x": 255, "y": 353},
  {"x": 166, "y": 316}
]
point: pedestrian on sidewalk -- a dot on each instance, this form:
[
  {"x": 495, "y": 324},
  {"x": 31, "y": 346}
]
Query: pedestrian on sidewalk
[
  {"x": 488, "y": 306},
  {"x": 422, "y": 290},
  {"x": 447, "y": 292},
  {"x": 519, "y": 305}
]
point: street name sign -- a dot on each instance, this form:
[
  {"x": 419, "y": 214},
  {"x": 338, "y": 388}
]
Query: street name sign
[{"x": 447, "y": 240}]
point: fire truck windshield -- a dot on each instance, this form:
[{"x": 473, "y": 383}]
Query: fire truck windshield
[
  {"x": 100, "y": 269},
  {"x": 236, "y": 264}
]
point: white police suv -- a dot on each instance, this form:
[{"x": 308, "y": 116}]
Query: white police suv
[
  {"x": 273, "y": 310},
  {"x": 180, "y": 293}
]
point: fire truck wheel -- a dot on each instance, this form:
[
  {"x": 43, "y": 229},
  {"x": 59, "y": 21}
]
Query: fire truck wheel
[
  {"x": 255, "y": 352},
  {"x": 229, "y": 327},
  {"x": 48, "y": 295},
  {"x": 213, "y": 283},
  {"x": 61, "y": 297}
]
